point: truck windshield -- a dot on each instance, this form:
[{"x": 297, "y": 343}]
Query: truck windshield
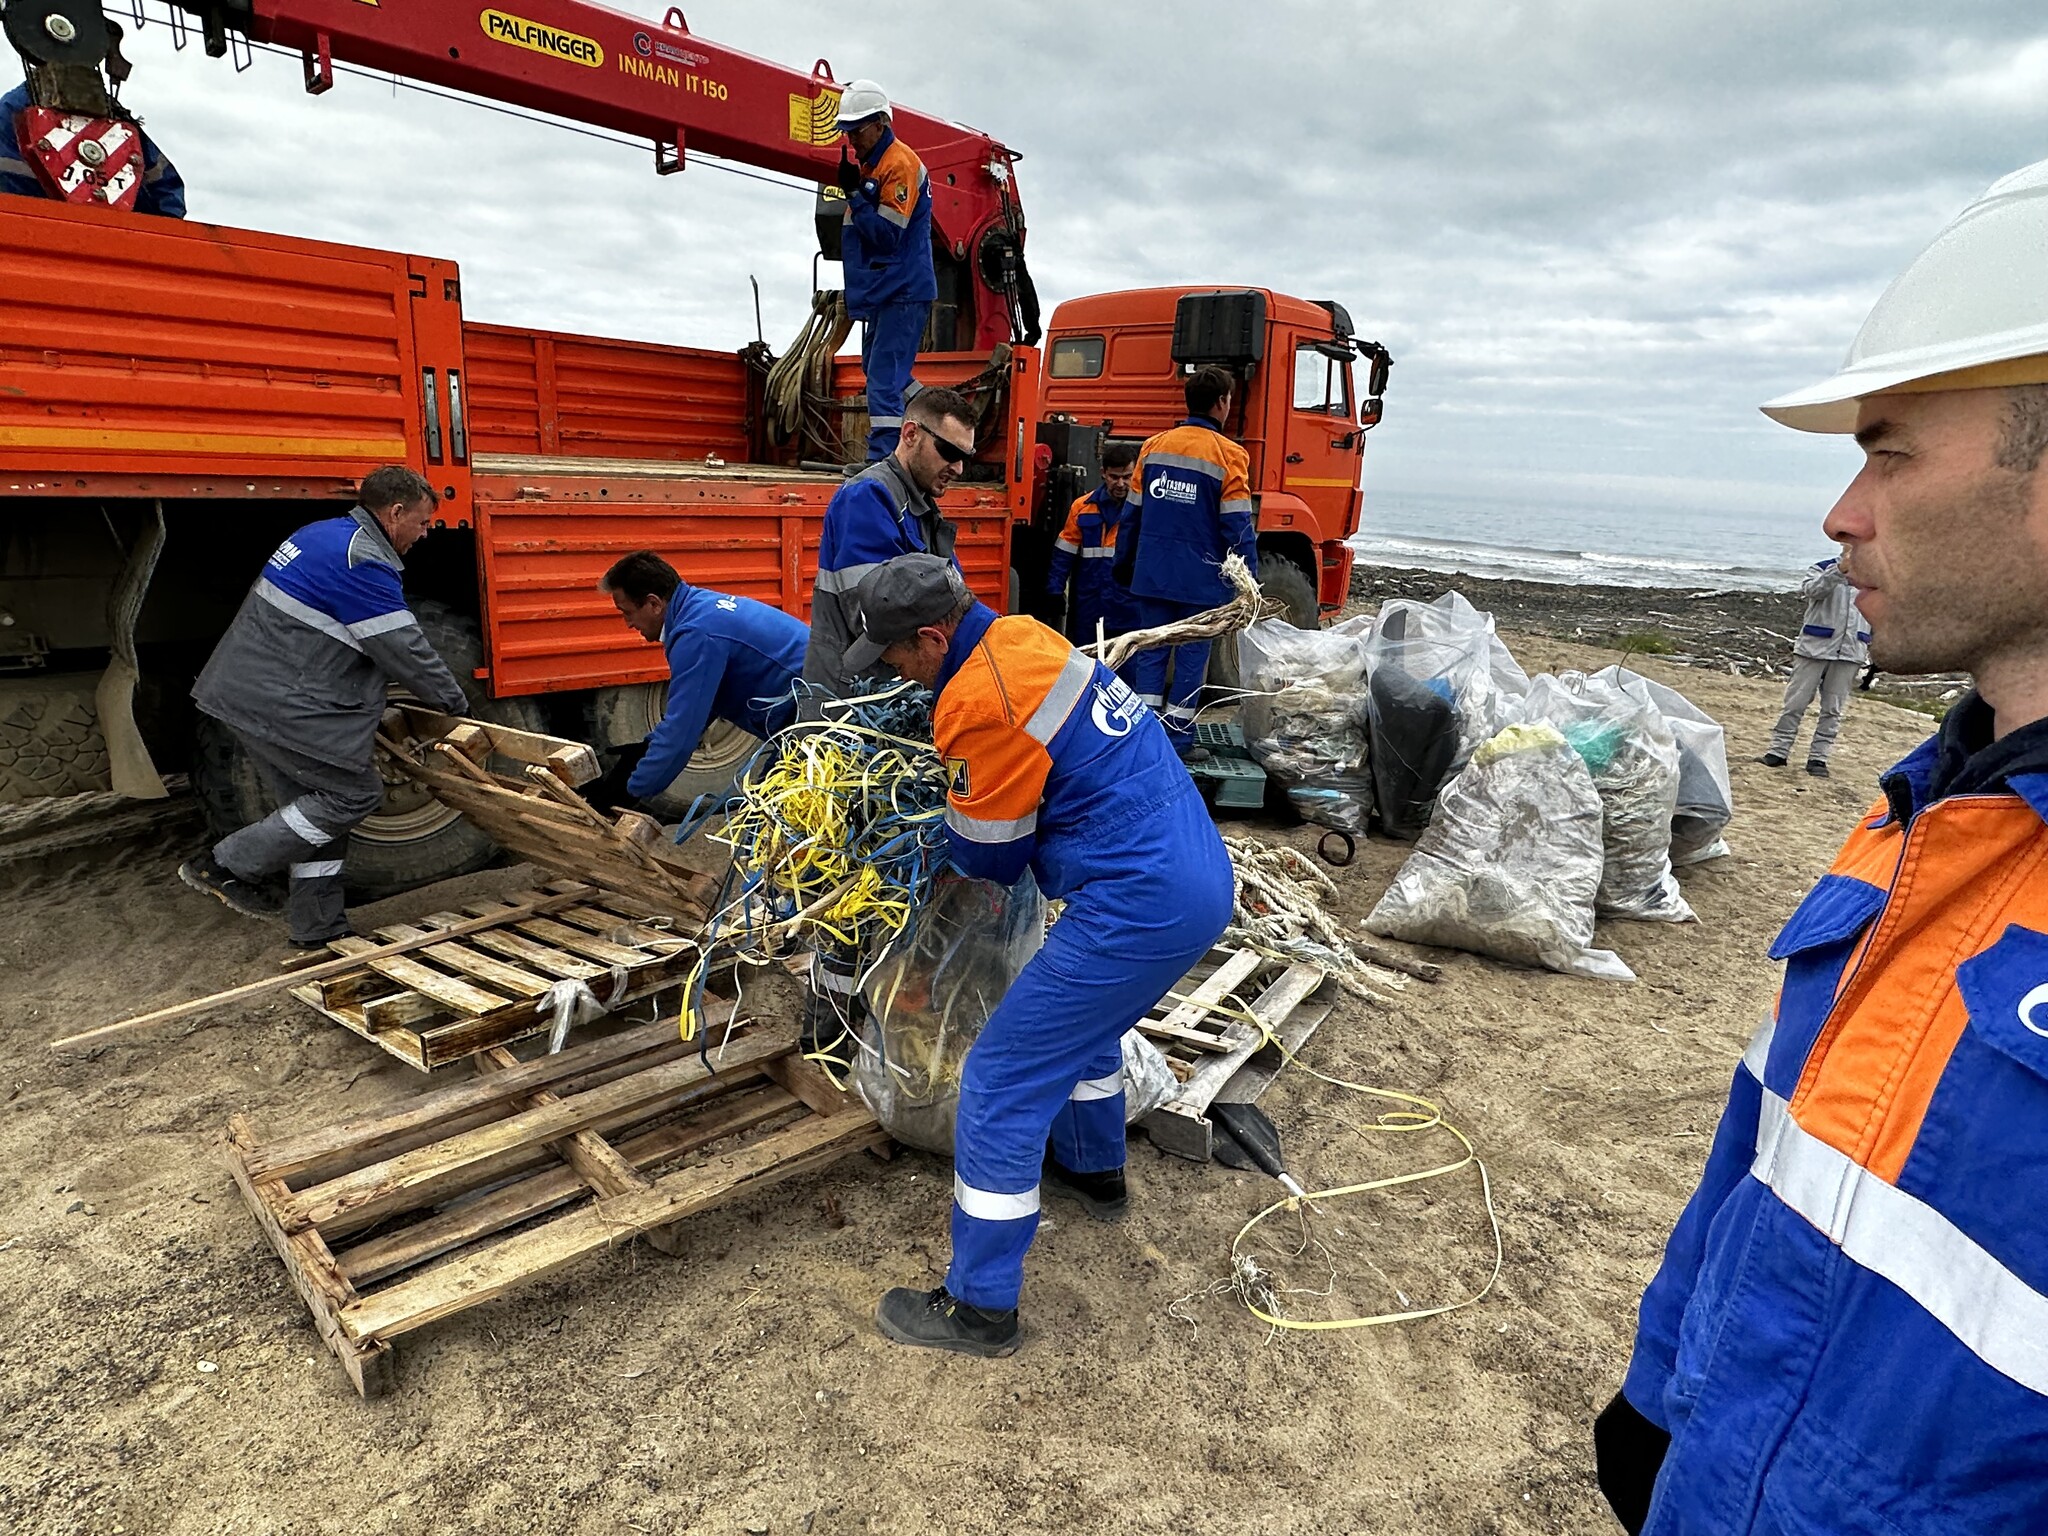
[{"x": 1322, "y": 383}]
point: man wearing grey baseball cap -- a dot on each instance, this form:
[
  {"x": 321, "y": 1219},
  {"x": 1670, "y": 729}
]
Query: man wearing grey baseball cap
[{"x": 1054, "y": 766}]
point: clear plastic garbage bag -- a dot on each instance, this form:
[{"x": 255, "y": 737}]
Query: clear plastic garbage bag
[
  {"x": 1623, "y": 737},
  {"x": 1706, "y": 793},
  {"x": 1305, "y": 719},
  {"x": 1511, "y": 863}
]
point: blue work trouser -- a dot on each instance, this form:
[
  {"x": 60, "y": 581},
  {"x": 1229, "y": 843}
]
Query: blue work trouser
[
  {"x": 1177, "y": 699},
  {"x": 1049, "y": 1064},
  {"x": 888, "y": 352}
]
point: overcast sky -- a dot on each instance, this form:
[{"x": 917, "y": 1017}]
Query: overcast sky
[{"x": 1595, "y": 235}]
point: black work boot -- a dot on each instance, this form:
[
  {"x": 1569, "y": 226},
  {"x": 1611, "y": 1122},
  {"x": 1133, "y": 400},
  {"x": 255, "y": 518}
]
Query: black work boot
[
  {"x": 1773, "y": 759},
  {"x": 1103, "y": 1195},
  {"x": 1817, "y": 768},
  {"x": 208, "y": 874},
  {"x": 823, "y": 1031},
  {"x": 940, "y": 1320}
]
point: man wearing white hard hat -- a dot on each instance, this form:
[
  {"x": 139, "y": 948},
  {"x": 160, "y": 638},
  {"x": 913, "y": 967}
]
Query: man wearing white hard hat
[
  {"x": 1849, "y": 1330},
  {"x": 886, "y": 249}
]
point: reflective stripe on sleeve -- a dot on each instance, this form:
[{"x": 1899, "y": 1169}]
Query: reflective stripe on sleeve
[
  {"x": 847, "y": 577},
  {"x": 302, "y": 826},
  {"x": 1061, "y": 698},
  {"x": 900, "y": 220},
  {"x": 987, "y": 1205},
  {"x": 318, "y": 869},
  {"x": 383, "y": 624},
  {"x": 1208, "y": 468},
  {"x": 885, "y": 421},
  {"x": 1237, "y": 504},
  {"x": 976, "y": 830},
  {"x": 1990, "y": 1310},
  {"x": 305, "y": 613},
  {"x": 1098, "y": 1087},
  {"x": 1066, "y": 546},
  {"x": 9, "y": 167},
  {"x": 1759, "y": 1049}
]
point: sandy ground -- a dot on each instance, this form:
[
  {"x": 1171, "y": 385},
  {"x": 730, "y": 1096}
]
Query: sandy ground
[{"x": 742, "y": 1387}]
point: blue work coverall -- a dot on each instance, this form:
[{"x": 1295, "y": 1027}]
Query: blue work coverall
[
  {"x": 1190, "y": 504},
  {"x": 886, "y": 250},
  {"x": 1089, "y": 541},
  {"x": 729, "y": 658},
  {"x": 162, "y": 190},
  {"x": 1849, "y": 1331},
  {"x": 1055, "y": 765},
  {"x": 876, "y": 516}
]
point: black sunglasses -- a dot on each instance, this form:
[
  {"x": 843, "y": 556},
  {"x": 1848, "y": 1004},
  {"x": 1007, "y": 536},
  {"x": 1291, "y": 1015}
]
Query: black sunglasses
[{"x": 951, "y": 452}]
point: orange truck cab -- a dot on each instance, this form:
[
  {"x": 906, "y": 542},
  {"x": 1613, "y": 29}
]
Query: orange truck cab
[{"x": 1115, "y": 364}]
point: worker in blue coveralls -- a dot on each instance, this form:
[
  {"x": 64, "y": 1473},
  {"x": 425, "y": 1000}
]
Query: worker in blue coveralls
[
  {"x": 888, "y": 509},
  {"x": 1084, "y": 551},
  {"x": 1190, "y": 504},
  {"x": 886, "y": 251},
  {"x": 1054, "y": 767},
  {"x": 162, "y": 190},
  {"x": 729, "y": 658}
]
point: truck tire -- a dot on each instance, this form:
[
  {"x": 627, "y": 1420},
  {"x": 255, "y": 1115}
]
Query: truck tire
[
  {"x": 413, "y": 839},
  {"x": 622, "y": 715},
  {"x": 1279, "y": 578},
  {"x": 50, "y": 741}
]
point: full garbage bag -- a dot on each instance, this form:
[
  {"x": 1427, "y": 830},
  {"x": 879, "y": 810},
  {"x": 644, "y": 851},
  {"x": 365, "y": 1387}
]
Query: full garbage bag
[
  {"x": 1441, "y": 682},
  {"x": 1706, "y": 794},
  {"x": 933, "y": 990},
  {"x": 1305, "y": 718},
  {"x": 1622, "y": 735},
  {"x": 929, "y": 996},
  {"x": 1510, "y": 865}
]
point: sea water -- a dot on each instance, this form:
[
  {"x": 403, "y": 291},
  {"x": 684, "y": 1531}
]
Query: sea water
[{"x": 1581, "y": 544}]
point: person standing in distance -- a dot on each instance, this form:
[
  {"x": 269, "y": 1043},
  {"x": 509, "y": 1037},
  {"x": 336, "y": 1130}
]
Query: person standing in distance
[
  {"x": 301, "y": 678},
  {"x": 1085, "y": 550},
  {"x": 1833, "y": 643},
  {"x": 1190, "y": 504},
  {"x": 1849, "y": 1329},
  {"x": 886, "y": 253},
  {"x": 1054, "y": 767}
]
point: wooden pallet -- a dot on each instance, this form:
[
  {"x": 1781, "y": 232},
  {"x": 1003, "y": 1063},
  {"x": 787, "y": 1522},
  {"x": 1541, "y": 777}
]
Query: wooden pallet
[
  {"x": 1206, "y": 1048},
  {"x": 396, "y": 1220},
  {"x": 520, "y": 789},
  {"x": 433, "y": 1005}
]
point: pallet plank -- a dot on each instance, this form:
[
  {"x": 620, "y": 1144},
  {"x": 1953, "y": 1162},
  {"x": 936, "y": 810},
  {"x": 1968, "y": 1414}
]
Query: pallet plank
[
  {"x": 457, "y": 957},
  {"x": 574, "y": 939},
  {"x": 540, "y": 956},
  {"x": 451, "y": 992},
  {"x": 462, "y": 1282}
]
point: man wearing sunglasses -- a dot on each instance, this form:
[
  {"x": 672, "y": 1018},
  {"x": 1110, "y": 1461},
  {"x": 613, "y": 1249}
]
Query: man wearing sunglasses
[{"x": 888, "y": 509}]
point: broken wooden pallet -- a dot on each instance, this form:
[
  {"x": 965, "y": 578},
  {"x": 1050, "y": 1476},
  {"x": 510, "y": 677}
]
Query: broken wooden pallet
[
  {"x": 396, "y": 1220},
  {"x": 1205, "y": 1041},
  {"x": 432, "y": 1005}
]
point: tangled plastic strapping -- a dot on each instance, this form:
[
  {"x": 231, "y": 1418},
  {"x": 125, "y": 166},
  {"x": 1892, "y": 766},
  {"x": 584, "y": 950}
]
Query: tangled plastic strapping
[
  {"x": 1281, "y": 910},
  {"x": 836, "y": 831}
]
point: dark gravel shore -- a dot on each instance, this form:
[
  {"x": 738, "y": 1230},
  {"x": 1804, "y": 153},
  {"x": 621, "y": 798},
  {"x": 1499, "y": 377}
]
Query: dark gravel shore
[{"x": 1749, "y": 634}]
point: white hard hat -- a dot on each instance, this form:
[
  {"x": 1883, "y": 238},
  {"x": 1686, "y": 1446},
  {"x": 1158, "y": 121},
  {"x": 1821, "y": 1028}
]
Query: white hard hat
[
  {"x": 861, "y": 100},
  {"x": 1970, "y": 312}
]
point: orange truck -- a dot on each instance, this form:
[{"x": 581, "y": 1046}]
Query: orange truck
[{"x": 175, "y": 397}]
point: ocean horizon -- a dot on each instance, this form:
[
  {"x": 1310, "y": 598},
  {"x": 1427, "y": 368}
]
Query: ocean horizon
[{"x": 1589, "y": 544}]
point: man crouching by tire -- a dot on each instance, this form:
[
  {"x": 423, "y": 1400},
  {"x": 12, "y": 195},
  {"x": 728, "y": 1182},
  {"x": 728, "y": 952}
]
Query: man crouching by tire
[{"x": 300, "y": 679}]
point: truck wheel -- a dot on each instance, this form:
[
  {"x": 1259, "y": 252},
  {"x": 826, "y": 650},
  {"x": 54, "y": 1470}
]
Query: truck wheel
[
  {"x": 50, "y": 741},
  {"x": 619, "y": 716},
  {"x": 413, "y": 839},
  {"x": 1279, "y": 578}
]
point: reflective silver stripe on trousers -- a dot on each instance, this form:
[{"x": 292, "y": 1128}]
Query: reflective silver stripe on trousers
[
  {"x": 1177, "y": 714},
  {"x": 284, "y": 602},
  {"x": 987, "y": 1205},
  {"x": 303, "y": 827},
  {"x": 319, "y": 869},
  {"x": 826, "y": 979},
  {"x": 1990, "y": 1310},
  {"x": 1065, "y": 693},
  {"x": 1099, "y": 1087},
  {"x": 1100, "y": 552},
  {"x": 847, "y": 577},
  {"x": 1154, "y": 699},
  {"x": 976, "y": 830},
  {"x": 1208, "y": 468},
  {"x": 383, "y": 624}
]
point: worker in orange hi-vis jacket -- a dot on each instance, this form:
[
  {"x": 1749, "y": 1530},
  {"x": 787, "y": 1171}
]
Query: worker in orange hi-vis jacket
[
  {"x": 1190, "y": 504},
  {"x": 1083, "y": 553},
  {"x": 886, "y": 253},
  {"x": 1055, "y": 767}
]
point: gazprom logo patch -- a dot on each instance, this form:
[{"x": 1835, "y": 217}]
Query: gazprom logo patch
[
  {"x": 1116, "y": 708},
  {"x": 571, "y": 47},
  {"x": 1164, "y": 489}
]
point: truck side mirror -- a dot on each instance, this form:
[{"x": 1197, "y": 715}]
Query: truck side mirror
[{"x": 1369, "y": 412}]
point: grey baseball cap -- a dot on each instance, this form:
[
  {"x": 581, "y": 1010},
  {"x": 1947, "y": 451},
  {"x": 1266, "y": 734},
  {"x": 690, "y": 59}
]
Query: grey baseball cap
[{"x": 897, "y": 599}]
